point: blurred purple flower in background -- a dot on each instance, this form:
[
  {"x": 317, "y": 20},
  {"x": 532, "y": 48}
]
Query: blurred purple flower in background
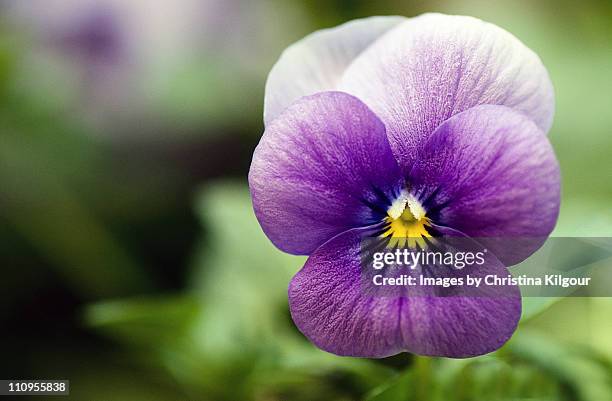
[
  {"x": 138, "y": 62},
  {"x": 417, "y": 127}
]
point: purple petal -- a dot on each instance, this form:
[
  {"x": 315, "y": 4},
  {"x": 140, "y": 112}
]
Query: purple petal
[
  {"x": 490, "y": 173},
  {"x": 316, "y": 63},
  {"x": 329, "y": 305},
  {"x": 434, "y": 66},
  {"x": 322, "y": 167}
]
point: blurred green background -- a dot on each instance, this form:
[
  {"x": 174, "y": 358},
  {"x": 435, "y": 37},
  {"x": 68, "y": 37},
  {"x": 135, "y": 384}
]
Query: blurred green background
[{"x": 132, "y": 263}]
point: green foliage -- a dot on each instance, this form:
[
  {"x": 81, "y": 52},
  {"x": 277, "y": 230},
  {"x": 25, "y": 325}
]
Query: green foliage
[
  {"x": 530, "y": 367},
  {"x": 144, "y": 322},
  {"x": 235, "y": 324},
  {"x": 532, "y": 306}
]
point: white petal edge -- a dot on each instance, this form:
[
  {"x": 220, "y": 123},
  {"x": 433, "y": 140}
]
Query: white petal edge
[{"x": 316, "y": 63}]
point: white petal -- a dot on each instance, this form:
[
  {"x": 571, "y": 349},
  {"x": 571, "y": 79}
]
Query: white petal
[
  {"x": 434, "y": 66},
  {"x": 316, "y": 63}
]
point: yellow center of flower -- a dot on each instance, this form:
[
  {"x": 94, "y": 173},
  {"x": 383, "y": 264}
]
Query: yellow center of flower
[{"x": 407, "y": 222}]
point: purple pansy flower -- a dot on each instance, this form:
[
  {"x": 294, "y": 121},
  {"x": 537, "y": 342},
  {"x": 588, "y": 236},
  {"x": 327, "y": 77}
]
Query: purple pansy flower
[{"x": 427, "y": 126}]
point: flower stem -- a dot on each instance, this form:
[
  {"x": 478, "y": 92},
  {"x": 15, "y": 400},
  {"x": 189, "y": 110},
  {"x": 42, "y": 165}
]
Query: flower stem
[{"x": 423, "y": 366}]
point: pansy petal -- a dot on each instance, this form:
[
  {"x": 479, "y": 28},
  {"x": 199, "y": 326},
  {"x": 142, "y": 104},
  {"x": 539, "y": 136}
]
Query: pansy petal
[
  {"x": 490, "y": 173},
  {"x": 433, "y": 66},
  {"x": 316, "y": 63},
  {"x": 331, "y": 308},
  {"x": 322, "y": 167}
]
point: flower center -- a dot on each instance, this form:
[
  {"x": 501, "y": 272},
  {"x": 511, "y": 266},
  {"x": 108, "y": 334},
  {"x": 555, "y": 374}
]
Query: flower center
[{"x": 407, "y": 222}]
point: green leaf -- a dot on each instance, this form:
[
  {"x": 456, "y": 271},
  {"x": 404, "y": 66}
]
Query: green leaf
[
  {"x": 144, "y": 321},
  {"x": 533, "y": 306},
  {"x": 587, "y": 379},
  {"x": 239, "y": 276},
  {"x": 399, "y": 388}
]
